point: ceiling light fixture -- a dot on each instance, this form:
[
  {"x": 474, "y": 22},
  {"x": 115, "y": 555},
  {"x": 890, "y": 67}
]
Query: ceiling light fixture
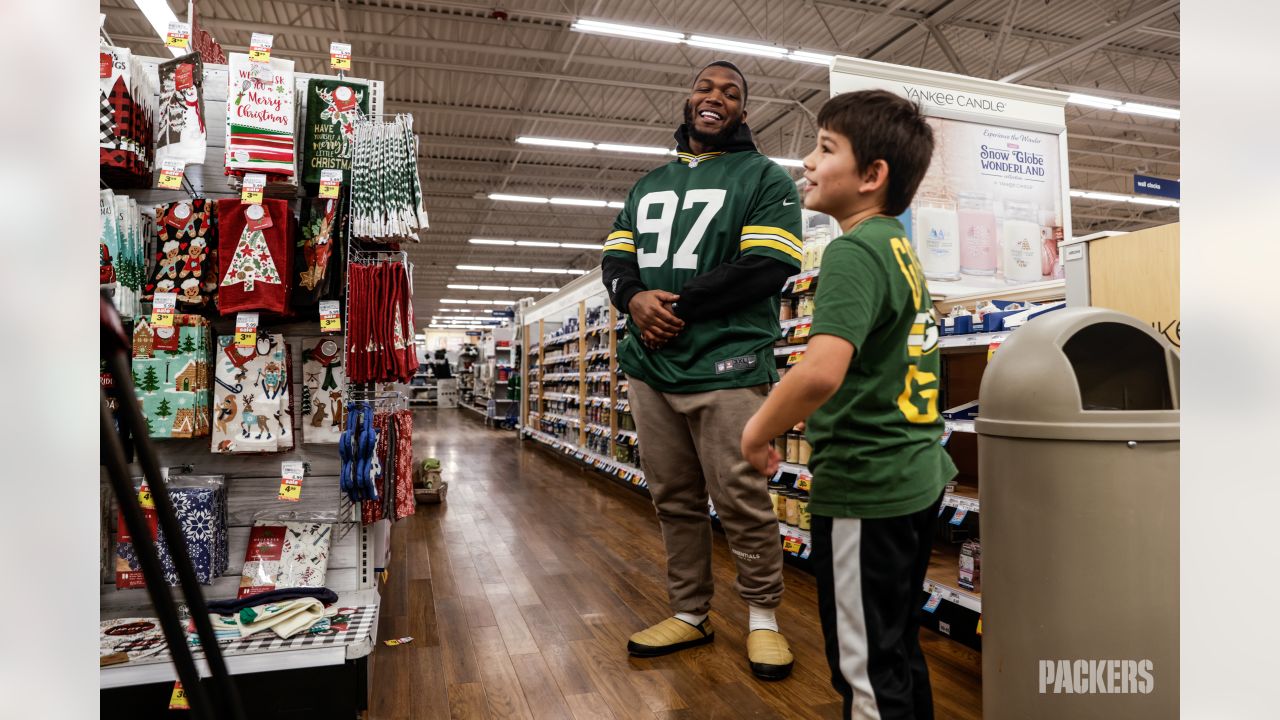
[
  {"x": 501, "y": 288},
  {"x": 610, "y": 147},
  {"x": 1153, "y": 110},
  {"x": 552, "y": 142},
  {"x": 641, "y": 149},
  {"x": 714, "y": 43},
  {"x": 537, "y": 243},
  {"x": 788, "y": 162},
  {"x": 517, "y": 198},
  {"x": 483, "y": 241},
  {"x": 1094, "y": 101},
  {"x": 616, "y": 204},
  {"x": 634, "y": 32},
  {"x": 1118, "y": 197},
  {"x": 512, "y": 269},
  {"x": 581, "y": 202},
  {"x": 811, "y": 57}
]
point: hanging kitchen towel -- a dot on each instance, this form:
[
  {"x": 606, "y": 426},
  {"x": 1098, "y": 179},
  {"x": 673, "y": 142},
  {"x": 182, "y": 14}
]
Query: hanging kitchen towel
[
  {"x": 322, "y": 385},
  {"x": 171, "y": 375},
  {"x": 284, "y": 554},
  {"x": 318, "y": 265},
  {"x": 253, "y": 256},
  {"x": 182, "y": 133},
  {"x": 108, "y": 237},
  {"x": 200, "y": 514},
  {"x": 184, "y": 234},
  {"x": 260, "y": 118},
  {"x": 397, "y": 470},
  {"x": 333, "y": 107},
  {"x": 251, "y": 396}
]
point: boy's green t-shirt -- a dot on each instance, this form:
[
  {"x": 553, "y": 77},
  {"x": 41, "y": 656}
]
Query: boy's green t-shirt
[{"x": 876, "y": 450}]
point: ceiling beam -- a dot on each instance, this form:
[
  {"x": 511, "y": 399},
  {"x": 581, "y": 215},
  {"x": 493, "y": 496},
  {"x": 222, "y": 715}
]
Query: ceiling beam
[
  {"x": 1090, "y": 44},
  {"x": 945, "y": 45}
]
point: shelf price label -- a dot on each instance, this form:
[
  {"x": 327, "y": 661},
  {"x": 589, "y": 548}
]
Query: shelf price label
[
  {"x": 935, "y": 599},
  {"x": 792, "y": 544},
  {"x": 145, "y": 501},
  {"x": 179, "y": 35},
  {"x": 802, "y": 331},
  {"x": 795, "y": 357},
  {"x": 804, "y": 482},
  {"x": 330, "y": 183},
  {"x": 162, "y": 309},
  {"x": 291, "y": 474},
  {"x": 246, "y": 330},
  {"x": 803, "y": 283},
  {"x": 260, "y": 47},
  {"x": 339, "y": 56},
  {"x": 178, "y": 700},
  {"x": 330, "y": 316},
  {"x": 171, "y": 172},
  {"x": 251, "y": 190}
]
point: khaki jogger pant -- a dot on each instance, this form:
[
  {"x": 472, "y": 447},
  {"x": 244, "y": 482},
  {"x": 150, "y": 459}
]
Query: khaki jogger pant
[{"x": 690, "y": 444}]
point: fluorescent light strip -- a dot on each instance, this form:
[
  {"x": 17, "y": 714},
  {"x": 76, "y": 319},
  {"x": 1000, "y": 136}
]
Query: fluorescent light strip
[
  {"x": 811, "y": 57},
  {"x": 584, "y": 202},
  {"x": 1134, "y": 108},
  {"x": 517, "y": 198},
  {"x": 634, "y": 32},
  {"x": 501, "y": 288},
  {"x": 552, "y": 142},
  {"x": 455, "y": 301},
  {"x": 512, "y": 269},
  {"x": 788, "y": 162},
  {"x": 610, "y": 147},
  {"x": 537, "y": 243},
  {"x": 159, "y": 14},
  {"x": 1120, "y": 198},
  {"x": 641, "y": 149},
  {"x": 714, "y": 43}
]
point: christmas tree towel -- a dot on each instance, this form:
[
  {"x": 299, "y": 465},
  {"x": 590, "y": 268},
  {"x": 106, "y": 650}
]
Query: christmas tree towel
[
  {"x": 333, "y": 107},
  {"x": 253, "y": 255},
  {"x": 182, "y": 133},
  {"x": 260, "y": 117}
]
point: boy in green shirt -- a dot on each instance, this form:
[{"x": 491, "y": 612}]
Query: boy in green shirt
[{"x": 869, "y": 388}]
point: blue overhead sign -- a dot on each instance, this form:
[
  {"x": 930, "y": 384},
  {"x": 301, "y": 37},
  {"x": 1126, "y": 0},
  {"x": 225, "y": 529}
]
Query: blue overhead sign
[
  {"x": 503, "y": 313},
  {"x": 1160, "y": 187}
]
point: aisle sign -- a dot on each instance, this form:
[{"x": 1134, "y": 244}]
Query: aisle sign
[
  {"x": 339, "y": 56},
  {"x": 179, "y": 35},
  {"x": 330, "y": 316},
  {"x": 171, "y": 171},
  {"x": 260, "y": 48},
  {"x": 162, "y": 309},
  {"x": 178, "y": 700},
  {"x": 330, "y": 182},
  {"x": 291, "y": 474},
  {"x": 247, "y": 330},
  {"x": 251, "y": 191}
]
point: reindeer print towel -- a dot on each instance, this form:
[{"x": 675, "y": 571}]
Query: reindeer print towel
[
  {"x": 323, "y": 412},
  {"x": 251, "y": 408}
]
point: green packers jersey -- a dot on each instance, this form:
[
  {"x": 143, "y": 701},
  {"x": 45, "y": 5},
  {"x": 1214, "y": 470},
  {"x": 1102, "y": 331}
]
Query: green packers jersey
[
  {"x": 875, "y": 442},
  {"x": 685, "y": 219}
]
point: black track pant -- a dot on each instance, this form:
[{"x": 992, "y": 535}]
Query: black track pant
[{"x": 870, "y": 574}]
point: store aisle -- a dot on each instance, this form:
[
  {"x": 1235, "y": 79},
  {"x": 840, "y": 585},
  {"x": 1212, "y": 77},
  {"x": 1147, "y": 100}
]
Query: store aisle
[{"x": 520, "y": 593}]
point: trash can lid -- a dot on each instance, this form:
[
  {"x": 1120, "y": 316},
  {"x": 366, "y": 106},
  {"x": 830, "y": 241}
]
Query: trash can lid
[{"x": 1082, "y": 374}]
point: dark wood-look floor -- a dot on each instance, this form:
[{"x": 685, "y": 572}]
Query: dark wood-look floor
[{"x": 520, "y": 593}]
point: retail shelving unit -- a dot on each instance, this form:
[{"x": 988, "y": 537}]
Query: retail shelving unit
[
  {"x": 252, "y": 485},
  {"x": 497, "y": 360}
]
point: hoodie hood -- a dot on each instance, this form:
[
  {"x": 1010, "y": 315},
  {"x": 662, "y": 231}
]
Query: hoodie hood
[{"x": 740, "y": 142}]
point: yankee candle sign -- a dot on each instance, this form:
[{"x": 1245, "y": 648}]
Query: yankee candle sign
[{"x": 1147, "y": 185}]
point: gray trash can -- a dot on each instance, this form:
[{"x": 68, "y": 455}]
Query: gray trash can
[{"x": 1078, "y": 485}]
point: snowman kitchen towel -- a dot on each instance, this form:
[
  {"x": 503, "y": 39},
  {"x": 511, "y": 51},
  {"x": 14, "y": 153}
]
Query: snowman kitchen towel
[
  {"x": 251, "y": 407},
  {"x": 260, "y": 117},
  {"x": 182, "y": 132},
  {"x": 323, "y": 412}
]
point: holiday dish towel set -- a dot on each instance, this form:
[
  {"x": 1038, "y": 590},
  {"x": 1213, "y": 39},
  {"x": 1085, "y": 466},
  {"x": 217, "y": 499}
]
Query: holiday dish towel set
[
  {"x": 171, "y": 375},
  {"x": 254, "y": 256},
  {"x": 285, "y": 554},
  {"x": 260, "y": 118},
  {"x": 251, "y": 404},
  {"x": 333, "y": 108},
  {"x": 185, "y": 253},
  {"x": 182, "y": 133}
]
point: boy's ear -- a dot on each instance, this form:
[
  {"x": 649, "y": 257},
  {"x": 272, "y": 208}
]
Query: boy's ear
[{"x": 874, "y": 177}]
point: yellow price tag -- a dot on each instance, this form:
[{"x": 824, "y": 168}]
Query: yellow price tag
[
  {"x": 179, "y": 35},
  {"x": 979, "y": 624},
  {"x": 802, "y": 331},
  {"x": 178, "y": 700},
  {"x": 339, "y": 56},
  {"x": 144, "y": 498},
  {"x": 291, "y": 489},
  {"x": 804, "y": 283},
  {"x": 162, "y": 309},
  {"x": 803, "y": 482},
  {"x": 171, "y": 175},
  {"x": 330, "y": 183},
  {"x": 260, "y": 48},
  {"x": 246, "y": 338},
  {"x": 251, "y": 195},
  {"x": 791, "y": 545},
  {"x": 794, "y": 357}
]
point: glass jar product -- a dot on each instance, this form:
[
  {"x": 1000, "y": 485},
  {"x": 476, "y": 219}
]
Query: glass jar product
[
  {"x": 779, "y": 505},
  {"x": 937, "y": 240},
  {"x": 805, "y": 307},
  {"x": 1022, "y": 243},
  {"x": 806, "y": 519},
  {"x": 793, "y": 448},
  {"x": 787, "y": 311},
  {"x": 793, "y": 508},
  {"x": 977, "y": 234},
  {"x": 806, "y": 451},
  {"x": 780, "y": 444}
]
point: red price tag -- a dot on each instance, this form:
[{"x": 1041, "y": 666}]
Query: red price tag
[
  {"x": 251, "y": 191},
  {"x": 330, "y": 316},
  {"x": 104, "y": 65},
  {"x": 178, "y": 700},
  {"x": 794, "y": 357},
  {"x": 184, "y": 76},
  {"x": 803, "y": 482},
  {"x": 792, "y": 545},
  {"x": 802, "y": 331},
  {"x": 803, "y": 283},
  {"x": 162, "y": 309},
  {"x": 291, "y": 474},
  {"x": 179, "y": 35},
  {"x": 171, "y": 172},
  {"x": 246, "y": 330},
  {"x": 330, "y": 180}
]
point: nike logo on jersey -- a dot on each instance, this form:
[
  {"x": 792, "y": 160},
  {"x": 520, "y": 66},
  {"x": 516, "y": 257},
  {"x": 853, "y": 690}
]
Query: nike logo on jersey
[{"x": 786, "y": 203}]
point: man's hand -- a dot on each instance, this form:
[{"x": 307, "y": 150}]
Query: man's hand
[
  {"x": 653, "y": 341},
  {"x": 651, "y": 311},
  {"x": 758, "y": 450}
]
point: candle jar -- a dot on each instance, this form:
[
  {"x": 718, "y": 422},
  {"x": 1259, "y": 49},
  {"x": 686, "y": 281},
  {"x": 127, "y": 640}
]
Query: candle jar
[
  {"x": 1022, "y": 243},
  {"x": 977, "y": 234},
  {"x": 937, "y": 239}
]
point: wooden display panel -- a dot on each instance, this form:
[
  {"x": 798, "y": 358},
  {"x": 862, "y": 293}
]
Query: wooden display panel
[{"x": 1138, "y": 273}]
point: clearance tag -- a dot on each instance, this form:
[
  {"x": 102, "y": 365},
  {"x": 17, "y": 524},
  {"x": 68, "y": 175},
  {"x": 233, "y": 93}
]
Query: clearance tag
[
  {"x": 247, "y": 330},
  {"x": 171, "y": 171},
  {"x": 397, "y": 641},
  {"x": 162, "y": 309},
  {"x": 179, "y": 35},
  {"x": 802, "y": 331},
  {"x": 291, "y": 474},
  {"x": 803, "y": 283},
  {"x": 260, "y": 47},
  {"x": 795, "y": 357},
  {"x": 339, "y": 56},
  {"x": 145, "y": 501},
  {"x": 803, "y": 482},
  {"x": 330, "y": 183},
  {"x": 791, "y": 544},
  {"x": 251, "y": 191},
  {"x": 178, "y": 700},
  {"x": 330, "y": 316}
]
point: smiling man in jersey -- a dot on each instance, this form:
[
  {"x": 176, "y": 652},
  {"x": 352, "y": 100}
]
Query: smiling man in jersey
[{"x": 697, "y": 258}]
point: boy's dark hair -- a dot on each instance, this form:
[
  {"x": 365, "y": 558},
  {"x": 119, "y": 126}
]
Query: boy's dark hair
[{"x": 883, "y": 126}]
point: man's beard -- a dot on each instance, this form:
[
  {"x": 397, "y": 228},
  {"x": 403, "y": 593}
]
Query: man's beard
[{"x": 716, "y": 139}]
